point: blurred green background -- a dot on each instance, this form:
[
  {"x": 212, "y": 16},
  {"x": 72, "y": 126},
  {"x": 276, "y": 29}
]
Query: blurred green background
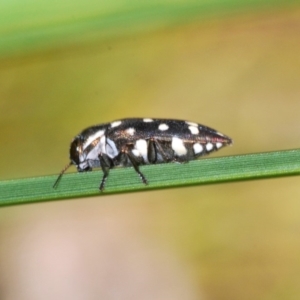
[{"x": 231, "y": 65}]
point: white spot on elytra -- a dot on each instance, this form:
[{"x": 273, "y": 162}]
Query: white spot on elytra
[
  {"x": 136, "y": 152},
  {"x": 147, "y": 120},
  {"x": 191, "y": 123},
  {"x": 209, "y": 146},
  {"x": 163, "y": 127},
  {"x": 130, "y": 131},
  {"x": 115, "y": 124},
  {"x": 92, "y": 137},
  {"x": 219, "y": 145},
  {"x": 141, "y": 147},
  {"x": 194, "y": 130},
  {"x": 198, "y": 148},
  {"x": 178, "y": 146}
]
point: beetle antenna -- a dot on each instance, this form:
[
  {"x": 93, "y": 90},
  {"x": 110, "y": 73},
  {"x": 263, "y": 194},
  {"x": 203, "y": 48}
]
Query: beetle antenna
[{"x": 61, "y": 174}]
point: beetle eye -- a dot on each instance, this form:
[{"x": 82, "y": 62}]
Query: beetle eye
[{"x": 75, "y": 150}]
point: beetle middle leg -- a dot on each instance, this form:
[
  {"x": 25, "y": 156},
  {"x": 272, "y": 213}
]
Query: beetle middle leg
[
  {"x": 135, "y": 164},
  {"x": 106, "y": 165}
]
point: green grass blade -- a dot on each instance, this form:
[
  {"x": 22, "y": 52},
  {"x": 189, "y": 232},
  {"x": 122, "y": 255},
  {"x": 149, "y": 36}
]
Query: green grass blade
[{"x": 203, "y": 171}]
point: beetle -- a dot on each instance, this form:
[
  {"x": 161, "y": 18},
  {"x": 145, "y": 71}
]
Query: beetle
[{"x": 140, "y": 141}]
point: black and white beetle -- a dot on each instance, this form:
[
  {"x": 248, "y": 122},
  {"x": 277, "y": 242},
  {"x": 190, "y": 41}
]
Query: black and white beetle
[{"x": 135, "y": 142}]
